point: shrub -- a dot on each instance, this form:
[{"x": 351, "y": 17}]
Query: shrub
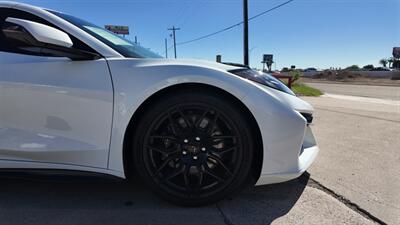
[
  {"x": 285, "y": 69},
  {"x": 369, "y": 67},
  {"x": 296, "y": 74}
]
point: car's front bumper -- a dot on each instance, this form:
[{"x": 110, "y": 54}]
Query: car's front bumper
[
  {"x": 306, "y": 157},
  {"x": 289, "y": 147}
]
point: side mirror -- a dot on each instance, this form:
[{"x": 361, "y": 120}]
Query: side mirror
[
  {"x": 42, "y": 33},
  {"x": 39, "y": 39}
]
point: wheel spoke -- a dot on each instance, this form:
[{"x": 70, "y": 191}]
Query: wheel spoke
[
  {"x": 223, "y": 150},
  {"x": 163, "y": 165},
  {"x": 186, "y": 177},
  {"x": 212, "y": 174},
  {"x": 172, "y": 124},
  {"x": 223, "y": 137},
  {"x": 173, "y": 174},
  {"x": 200, "y": 175},
  {"x": 212, "y": 124},
  {"x": 163, "y": 151},
  {"x": 219, "y": 161},
  {"x": 198, "y": 122},
  {"x": 172, "y": 138},
  {"x": 188, "y": 123}
]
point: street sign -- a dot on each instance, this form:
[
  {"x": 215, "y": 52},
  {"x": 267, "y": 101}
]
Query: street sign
[
  {"x": 396, "y": 52},
  {"x": 118, "y": 29}
]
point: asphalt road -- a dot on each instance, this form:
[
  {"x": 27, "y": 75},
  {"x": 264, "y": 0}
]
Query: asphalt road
[
  {"x": 381, "y": 92},
  {"x": 360, "y": 157},
  {"x": 359, "y": 139},
  {"x": 74, "y": 199},
  {"x": 354, "y": 180}
]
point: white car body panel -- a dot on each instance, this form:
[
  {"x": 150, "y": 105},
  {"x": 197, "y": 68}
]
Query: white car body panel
[
  {"x": 56, "y": 111},
  {"x": 111, "y": 94}
]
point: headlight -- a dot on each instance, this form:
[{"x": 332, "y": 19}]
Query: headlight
[{"x": 263, "y": 78}]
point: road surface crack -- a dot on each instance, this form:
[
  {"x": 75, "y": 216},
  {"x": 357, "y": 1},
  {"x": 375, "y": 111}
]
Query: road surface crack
[
  {"x": 353, "y": 206},
  {"x": 360, "y": 115},
  {"x": 227, "y": 221}
]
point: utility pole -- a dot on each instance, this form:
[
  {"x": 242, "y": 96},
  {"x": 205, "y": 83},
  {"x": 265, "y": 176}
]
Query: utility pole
[
  {"x": 174, "y": 37},
  {"x": 166, "y": 48},
  {"x": 245, "y": 33}
]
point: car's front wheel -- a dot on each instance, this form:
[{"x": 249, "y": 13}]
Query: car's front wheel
[{"x": 193, "y": 148}]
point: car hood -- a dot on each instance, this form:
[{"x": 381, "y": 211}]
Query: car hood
[
  {"x": 292, "y": 101},
  {"x": 189, "y": 62}
]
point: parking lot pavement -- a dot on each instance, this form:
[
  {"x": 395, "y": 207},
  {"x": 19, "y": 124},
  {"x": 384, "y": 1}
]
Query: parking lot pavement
[
  {"x": 74, "y": 199},
  {"x": 359, "y": 157}
]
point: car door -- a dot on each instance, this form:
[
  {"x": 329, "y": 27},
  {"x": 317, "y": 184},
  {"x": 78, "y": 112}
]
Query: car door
[{"x": 53, "y": 110}]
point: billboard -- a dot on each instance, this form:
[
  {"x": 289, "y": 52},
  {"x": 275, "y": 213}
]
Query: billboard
[
  {"x": 268, "y": 58},
  {"x": 396, "y": 52},
  {"x": 118, "y": 29}
]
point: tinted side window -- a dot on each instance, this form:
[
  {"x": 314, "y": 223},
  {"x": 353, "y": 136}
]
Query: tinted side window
[{"x": 7, "y": 46}]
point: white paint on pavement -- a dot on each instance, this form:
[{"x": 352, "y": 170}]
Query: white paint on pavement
[{"x": 363, "y": 99}]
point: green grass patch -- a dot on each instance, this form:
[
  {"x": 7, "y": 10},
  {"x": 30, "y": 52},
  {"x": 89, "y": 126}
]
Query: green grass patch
[{"x": 305, "y": 90}]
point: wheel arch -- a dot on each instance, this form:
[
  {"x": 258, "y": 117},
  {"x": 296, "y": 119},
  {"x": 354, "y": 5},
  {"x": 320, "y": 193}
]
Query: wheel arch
[{"x": 130, "y": 131}]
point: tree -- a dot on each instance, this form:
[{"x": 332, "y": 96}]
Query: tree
[
  {"x": 369, "y": 67},
  {"x": 353, "y": 67},
  {"x": 296, "y": 74},
  {"x": 390, "y": 62},
  {"x": 383, "y": 62}
]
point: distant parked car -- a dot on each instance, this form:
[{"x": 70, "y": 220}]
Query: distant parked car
[
  {"x": 381, "y": 69},
  {"x": 310, "y": 70}
]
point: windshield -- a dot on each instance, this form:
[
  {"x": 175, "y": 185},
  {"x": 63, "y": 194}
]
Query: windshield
[{"x": 119, "y": 44}]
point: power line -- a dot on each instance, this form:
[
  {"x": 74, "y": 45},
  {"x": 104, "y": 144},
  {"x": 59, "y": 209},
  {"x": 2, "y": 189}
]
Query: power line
[
  {"x": 269, "y": 10},
  {"x": 235, "y": 25}
]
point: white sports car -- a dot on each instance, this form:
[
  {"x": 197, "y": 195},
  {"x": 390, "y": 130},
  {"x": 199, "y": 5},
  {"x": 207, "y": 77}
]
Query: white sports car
[{"x": 74, "y": 96}]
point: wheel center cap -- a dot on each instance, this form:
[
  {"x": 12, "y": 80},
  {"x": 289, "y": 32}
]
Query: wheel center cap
[{"x": 193, "y": 149}]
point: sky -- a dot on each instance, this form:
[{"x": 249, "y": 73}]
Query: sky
[{"x": 304, "y": 33}]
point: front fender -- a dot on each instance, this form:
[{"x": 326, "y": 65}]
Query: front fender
[{"x": 135, "y": 80}]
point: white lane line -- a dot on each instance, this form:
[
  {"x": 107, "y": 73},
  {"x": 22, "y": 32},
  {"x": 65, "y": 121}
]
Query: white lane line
[{"x": 363, "y": 99}]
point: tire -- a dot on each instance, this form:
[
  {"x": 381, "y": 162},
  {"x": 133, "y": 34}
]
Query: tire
[{"x": 193, "y": 148}]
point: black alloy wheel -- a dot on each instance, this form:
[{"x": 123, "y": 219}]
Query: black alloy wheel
[{"x": 193, "y": 148}]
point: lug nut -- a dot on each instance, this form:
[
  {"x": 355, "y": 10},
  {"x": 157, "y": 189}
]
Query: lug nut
[
  {"x": 195, "y": 157},
  {"x": 197, "y": 139}
]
